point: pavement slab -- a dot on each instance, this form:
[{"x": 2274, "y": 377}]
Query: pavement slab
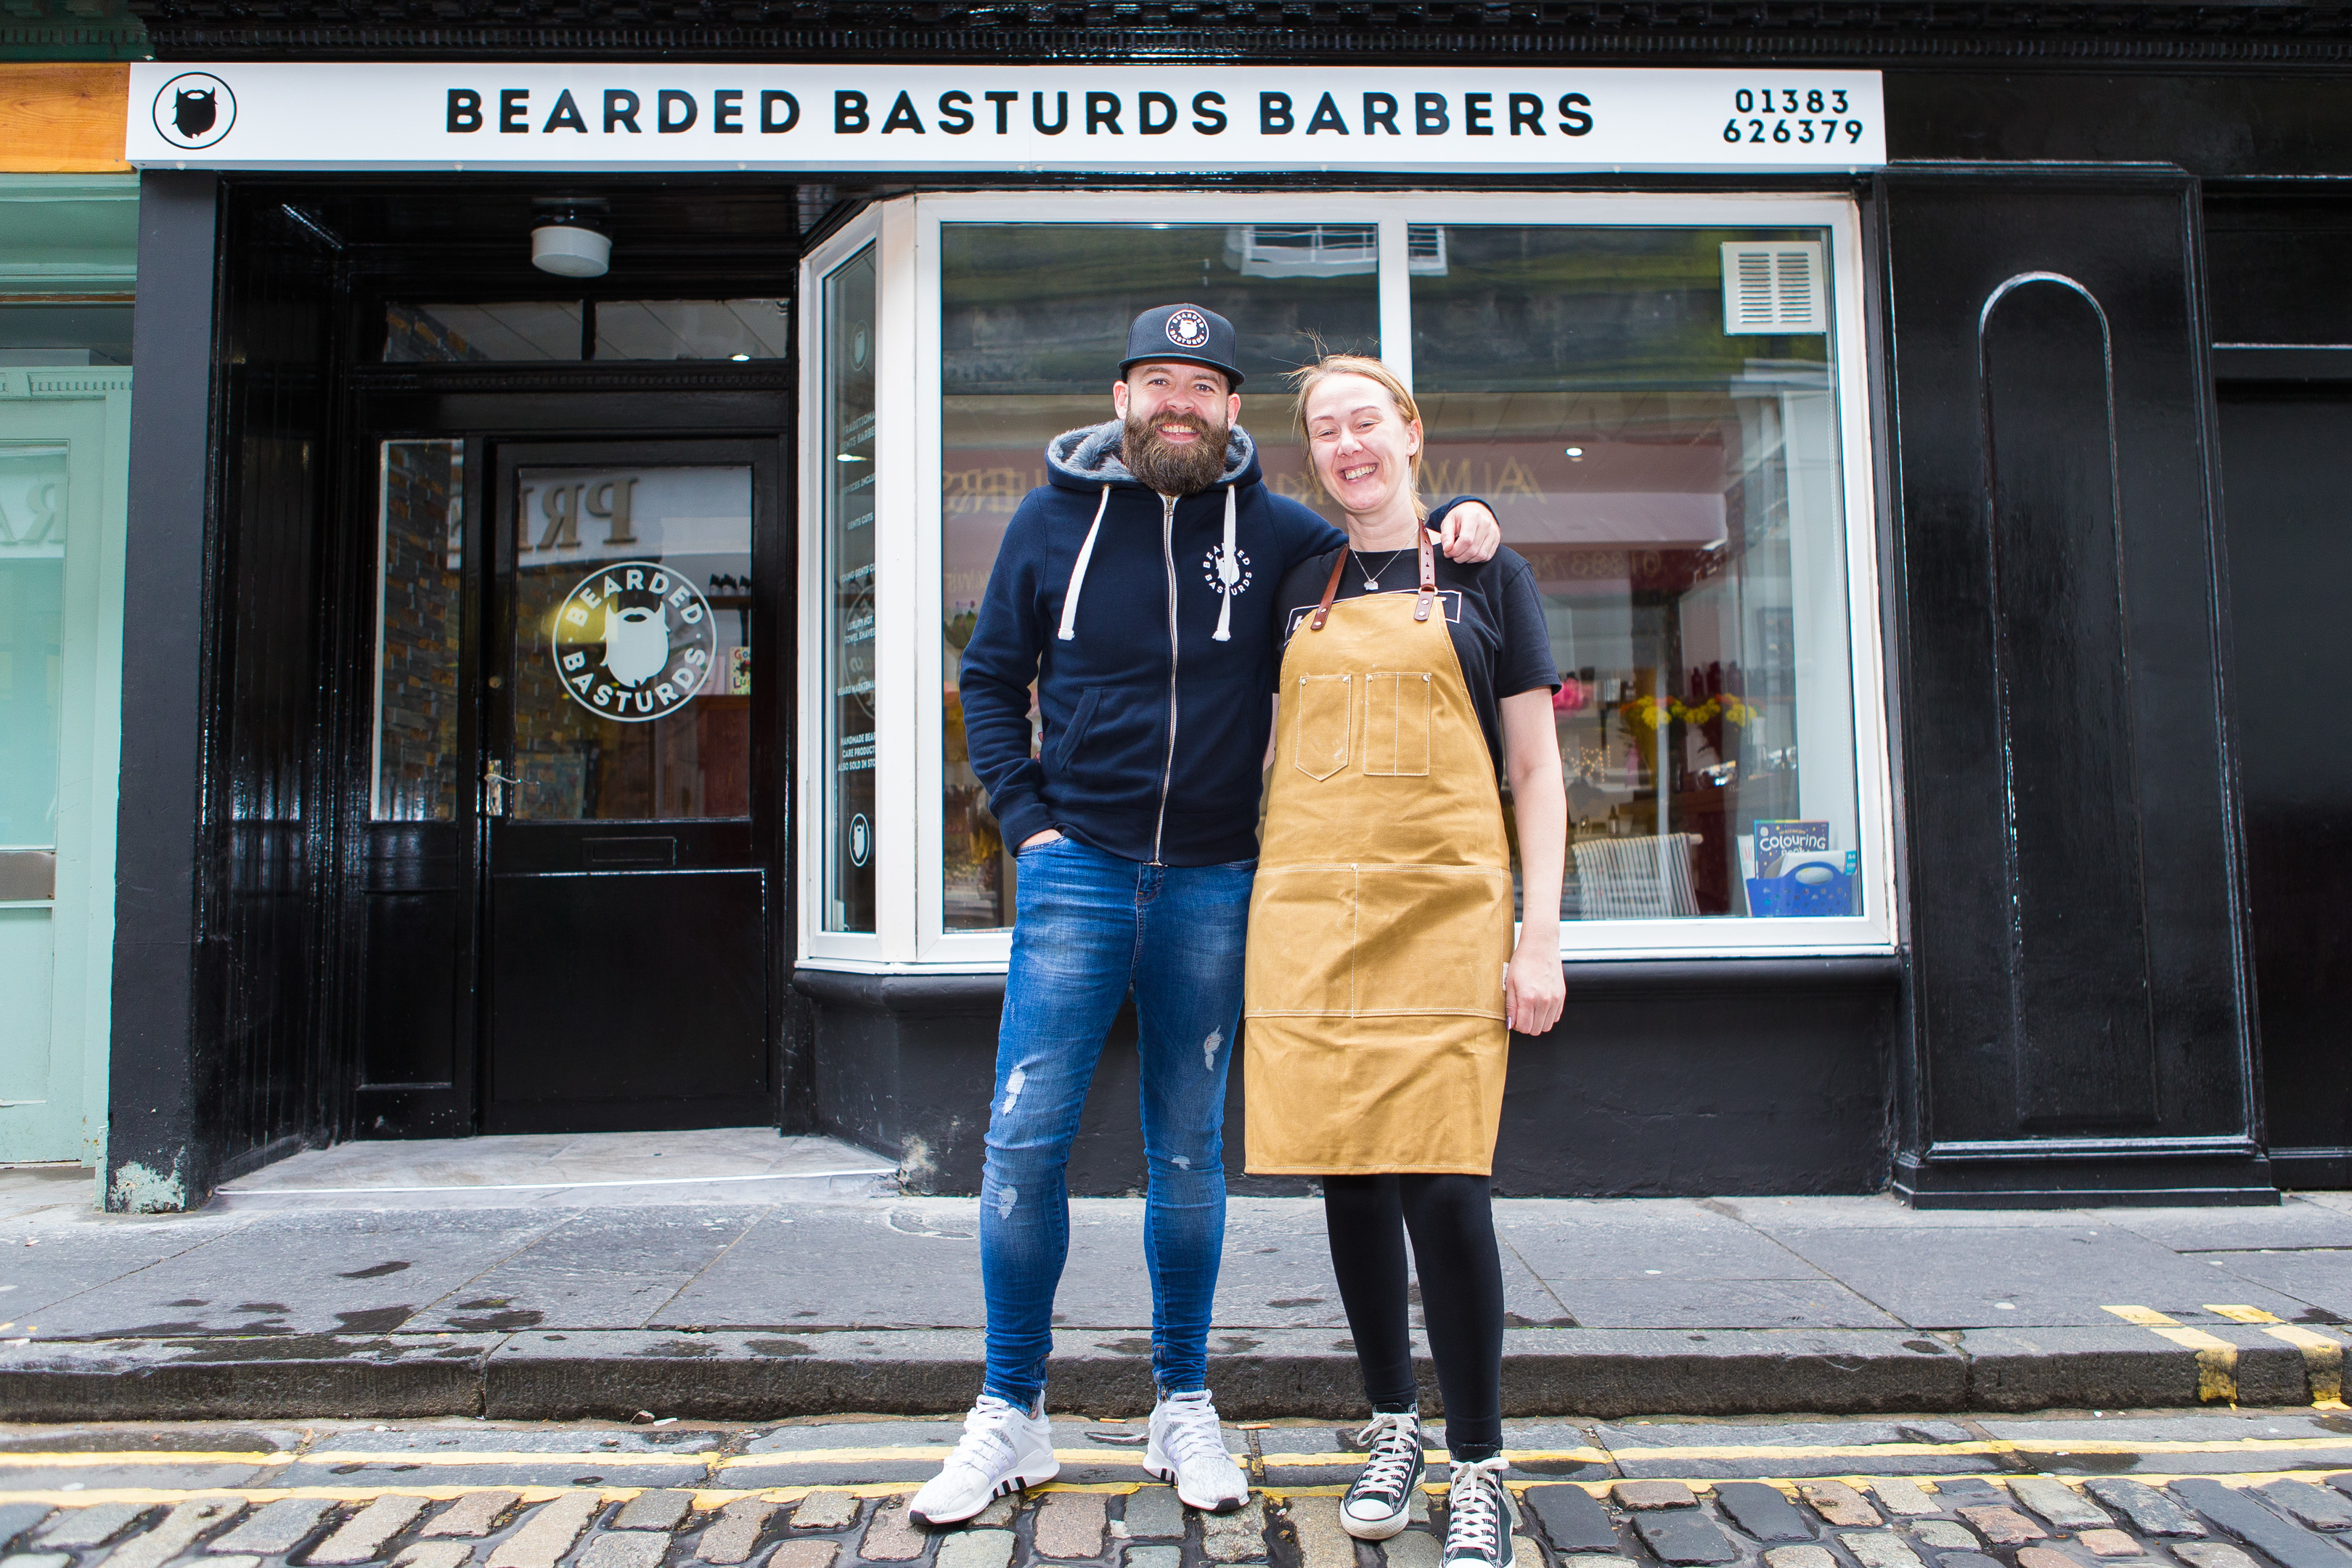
[
  {"x": 972, "y": 1548},
  {"x": 276, "y": 1529},
  {"x": 1153, "y": 1512},
  {"x": 2149, "y": 1511},
  {"x": 830, "y": 1508},
  {"x": 365, "y": 1534},
  {"x": 2321, "y": 1508},
  {"x": 475, "y": 1514},
  {"x": 2002, "y": 1526},
  {"x": 17, "y": 1518},
  {"x": 730, "y": 1537},
  {"x": 2059, "y": 1504},
  {"x": 1943, "y": 1535},
  {"x": 1570, "y": 1519},
  {"x": 1762, "y": 1510},
  {"x": 547, "y": 1532},
  {"x": 1683, "y": 1536},
  {"x": 1839, "y": 1503},
  {"x": 664, "y": 1510},
  {"x": 78, "y": 1528},
  {"x": 2288, "y": 1544},
  {"x": 623, "y": 1549},
  {"x": 1071, "y": 1525}
]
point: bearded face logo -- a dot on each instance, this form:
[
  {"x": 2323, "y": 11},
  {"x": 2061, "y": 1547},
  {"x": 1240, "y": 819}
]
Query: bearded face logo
[
  {"x": 637, "y": 643},
  {"x": 193, "y": 110}
]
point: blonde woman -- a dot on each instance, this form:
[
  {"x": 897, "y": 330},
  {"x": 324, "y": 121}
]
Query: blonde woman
[{"x": 1383, "y": 981}]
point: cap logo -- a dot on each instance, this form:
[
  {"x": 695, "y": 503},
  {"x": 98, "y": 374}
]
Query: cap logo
[{"x": 1187, "y": 329}]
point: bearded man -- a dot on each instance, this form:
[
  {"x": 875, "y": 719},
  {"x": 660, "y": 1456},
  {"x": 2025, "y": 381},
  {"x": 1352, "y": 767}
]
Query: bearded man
[{"x": 1137, "y": 590}]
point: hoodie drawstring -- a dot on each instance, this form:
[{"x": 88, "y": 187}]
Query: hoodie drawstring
[
  {"x": 1229, "y": 574},
  {"x": 1085, "y": 553}
]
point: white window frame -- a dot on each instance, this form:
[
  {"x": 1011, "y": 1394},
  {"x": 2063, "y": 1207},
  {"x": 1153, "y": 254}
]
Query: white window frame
[
  {"x": 910, "y": 738},
  {"x": 889, "y": 229}
]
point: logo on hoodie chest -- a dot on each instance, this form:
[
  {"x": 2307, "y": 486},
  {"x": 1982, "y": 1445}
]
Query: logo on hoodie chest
[{"x": 1229, "y": 575}]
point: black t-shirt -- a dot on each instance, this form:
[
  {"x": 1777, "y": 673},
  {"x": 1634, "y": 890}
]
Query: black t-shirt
[{"x": 1492, "y": 611}]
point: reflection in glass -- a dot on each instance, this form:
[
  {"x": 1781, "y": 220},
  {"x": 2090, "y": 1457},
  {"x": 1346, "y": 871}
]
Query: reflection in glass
[
  {"x": 33, "y": 521},
  {"x": 419, "y": 604},
  {"x": 846, "y": 487},
  {"x": 632, "y": 646},
  {"x": 1033, "y": 322},
  {"x": 1674, "y": 482},
  {"x": 523, "y": 329},
  {"x": 693, "y": 328}
]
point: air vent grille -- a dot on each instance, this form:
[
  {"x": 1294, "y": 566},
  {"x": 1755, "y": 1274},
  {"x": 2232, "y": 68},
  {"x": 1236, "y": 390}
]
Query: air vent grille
[{"x": 1774, "y": 287}]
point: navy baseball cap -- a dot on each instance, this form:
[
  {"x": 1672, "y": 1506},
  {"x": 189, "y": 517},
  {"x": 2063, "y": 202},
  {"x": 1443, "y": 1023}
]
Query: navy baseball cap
[{"x": 1190, "y": 333}]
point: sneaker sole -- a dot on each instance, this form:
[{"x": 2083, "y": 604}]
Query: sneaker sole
[
  {"x": 1223, "y": 1505},
  {"x": 1014, "y": 1484},
  {"x": 1379, "y": 1528}
]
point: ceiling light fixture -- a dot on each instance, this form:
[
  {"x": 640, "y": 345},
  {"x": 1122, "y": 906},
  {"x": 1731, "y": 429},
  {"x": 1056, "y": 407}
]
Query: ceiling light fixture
[{"x": 567, "y": 243}]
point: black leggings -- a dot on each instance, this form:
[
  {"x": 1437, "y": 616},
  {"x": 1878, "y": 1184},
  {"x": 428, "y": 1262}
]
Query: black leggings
[{"x": 1453, "y": 1225}]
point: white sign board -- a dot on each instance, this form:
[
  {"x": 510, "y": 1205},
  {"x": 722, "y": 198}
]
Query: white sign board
[{"x": 1141, "y": 118}]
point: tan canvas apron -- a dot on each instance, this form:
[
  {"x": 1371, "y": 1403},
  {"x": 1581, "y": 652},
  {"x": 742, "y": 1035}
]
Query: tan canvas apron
[{"x": 1381, "y": 920}]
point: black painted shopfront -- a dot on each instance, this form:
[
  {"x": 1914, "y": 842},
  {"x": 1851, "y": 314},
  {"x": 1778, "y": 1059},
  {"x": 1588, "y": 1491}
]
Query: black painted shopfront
[{"x": 2099, "y": 376}]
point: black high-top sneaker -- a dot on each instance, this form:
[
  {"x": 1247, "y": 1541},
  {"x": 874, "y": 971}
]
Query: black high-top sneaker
[
  {"x": 1380, "y": 1501},
  {"x": 1479, "y": 1515}
]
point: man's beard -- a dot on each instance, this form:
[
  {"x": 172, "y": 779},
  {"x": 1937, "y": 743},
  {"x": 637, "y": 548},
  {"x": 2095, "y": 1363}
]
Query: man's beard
[{"x": 1173, "y": 468}]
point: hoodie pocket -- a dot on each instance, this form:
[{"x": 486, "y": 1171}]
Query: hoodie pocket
[
  {"x": 1326, "y": 704},
  {"x": 1083, "y": 720}
]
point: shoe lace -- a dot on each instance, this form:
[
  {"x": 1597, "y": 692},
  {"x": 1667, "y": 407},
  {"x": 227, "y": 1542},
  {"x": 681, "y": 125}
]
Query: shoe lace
[
  {"x": 1393, "y": 1439},
  {"x": 1473, "y": 1524},
  {"x": 985, "y": 1445},
  {"x": 1193, "y": 1432}
]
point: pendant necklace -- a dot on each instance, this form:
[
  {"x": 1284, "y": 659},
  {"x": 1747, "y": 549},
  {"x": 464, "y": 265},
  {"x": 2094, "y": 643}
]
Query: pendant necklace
[{"x": 1372, "y": 578}]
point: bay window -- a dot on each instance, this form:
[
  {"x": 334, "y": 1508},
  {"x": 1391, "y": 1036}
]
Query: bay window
[{"x": 1663, "y": 399}]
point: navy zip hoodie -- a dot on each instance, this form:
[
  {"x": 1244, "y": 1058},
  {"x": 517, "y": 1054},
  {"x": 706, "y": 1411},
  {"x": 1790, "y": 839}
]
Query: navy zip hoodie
[{"x": 1154, "y": 728}]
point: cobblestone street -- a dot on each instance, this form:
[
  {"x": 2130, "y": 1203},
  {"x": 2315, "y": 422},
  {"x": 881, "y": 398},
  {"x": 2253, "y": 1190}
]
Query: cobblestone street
[{"x": 2213, "y": 1489}]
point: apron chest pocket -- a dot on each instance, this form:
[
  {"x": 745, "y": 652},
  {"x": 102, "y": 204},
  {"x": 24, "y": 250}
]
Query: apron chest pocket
[
  {"x": 1325, "y": 708},
  {"x": 1396, "y": 723}
]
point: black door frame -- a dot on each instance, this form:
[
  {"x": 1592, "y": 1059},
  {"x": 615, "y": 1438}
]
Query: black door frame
[{"x": 597, "y": 404}]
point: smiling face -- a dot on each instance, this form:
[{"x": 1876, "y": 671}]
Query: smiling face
[
  {"x": 1361, "y": 446},
  {"x": 1178, "y": 418}
]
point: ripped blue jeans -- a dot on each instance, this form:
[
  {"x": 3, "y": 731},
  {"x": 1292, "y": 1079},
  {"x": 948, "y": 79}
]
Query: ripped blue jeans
[{"x": 1089, "y": 927}]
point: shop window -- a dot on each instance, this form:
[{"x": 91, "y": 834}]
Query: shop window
[
  {"x": 634, "y": 329},
  {"x": 1032, "y": 325},
  {"x": 1652, "y": 413},
  {"x": 846, "y": 489},
  {"x": 419, "y": 606},
  {"x": 1661, "y": 396}
]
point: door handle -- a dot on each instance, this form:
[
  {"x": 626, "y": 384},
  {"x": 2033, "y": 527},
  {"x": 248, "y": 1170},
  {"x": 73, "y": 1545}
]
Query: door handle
[{"x": 494, "y": 790}]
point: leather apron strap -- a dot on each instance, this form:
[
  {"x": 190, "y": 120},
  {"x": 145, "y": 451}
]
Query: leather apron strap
[{"x": 1339, "y": 565}]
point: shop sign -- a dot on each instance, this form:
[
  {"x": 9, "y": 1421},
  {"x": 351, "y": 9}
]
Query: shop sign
[{"x": 838, "y": 118}]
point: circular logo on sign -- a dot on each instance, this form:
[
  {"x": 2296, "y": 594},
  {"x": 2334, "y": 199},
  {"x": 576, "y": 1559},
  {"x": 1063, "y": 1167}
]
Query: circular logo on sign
[
  {"x": 861, "y": 839},
  {"x": 1187, "y": 329},
  {"x": 195, "y": 110},
  {"x": 634, "y": 641}
]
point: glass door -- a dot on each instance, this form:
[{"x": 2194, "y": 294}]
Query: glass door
[{"x": 627, "y": 905}]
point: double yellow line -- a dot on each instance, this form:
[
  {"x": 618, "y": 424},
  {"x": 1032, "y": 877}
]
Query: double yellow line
[{"x": 2217, "y": 1358}]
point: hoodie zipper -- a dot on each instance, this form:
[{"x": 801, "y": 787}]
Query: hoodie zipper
[{"x": 1167, "y": 558}]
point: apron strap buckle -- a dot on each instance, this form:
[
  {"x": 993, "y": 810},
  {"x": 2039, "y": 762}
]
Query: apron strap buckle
[
  {"x": 1331, "y": 592},
  {"x": 1428, "y": 580}
]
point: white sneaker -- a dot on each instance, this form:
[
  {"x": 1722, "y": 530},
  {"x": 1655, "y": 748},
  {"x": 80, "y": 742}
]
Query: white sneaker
[
  {"x": 1380, "y": 1501},
  {"x": 1479, "y": 1516},
  {"x": 1188, "y": 1447},
  {"x": 1003, "y": 1449}
]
